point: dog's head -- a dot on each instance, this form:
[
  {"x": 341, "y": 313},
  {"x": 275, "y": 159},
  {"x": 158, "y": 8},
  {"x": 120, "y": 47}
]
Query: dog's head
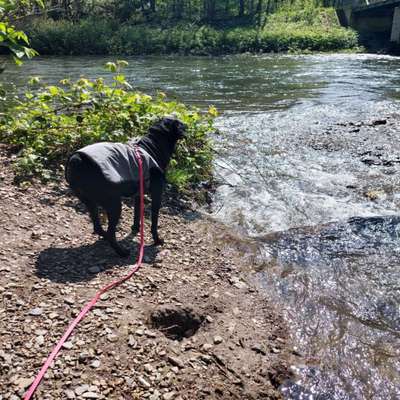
[{"x": 170, "y": 126}]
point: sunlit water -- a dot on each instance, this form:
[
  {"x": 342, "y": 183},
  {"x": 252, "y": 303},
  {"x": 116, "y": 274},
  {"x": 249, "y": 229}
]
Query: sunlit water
[{"x": 293, "y": 179}]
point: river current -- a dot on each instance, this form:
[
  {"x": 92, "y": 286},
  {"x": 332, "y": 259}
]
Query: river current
[{"x": 309, "y": 168}]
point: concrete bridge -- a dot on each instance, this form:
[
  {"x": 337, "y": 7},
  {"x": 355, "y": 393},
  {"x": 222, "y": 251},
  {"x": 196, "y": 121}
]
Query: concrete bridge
[{"x": 377, "y": 20}]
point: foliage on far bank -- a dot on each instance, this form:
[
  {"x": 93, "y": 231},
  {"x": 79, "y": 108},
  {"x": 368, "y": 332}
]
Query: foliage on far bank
[
  {"x": 109, "y": 38},
  {"x": 53, "y": 121}
]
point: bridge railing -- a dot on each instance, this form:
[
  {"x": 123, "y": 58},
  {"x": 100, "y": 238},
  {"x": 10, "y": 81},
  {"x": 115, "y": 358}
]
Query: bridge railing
[{"x": 341, "y": 4}]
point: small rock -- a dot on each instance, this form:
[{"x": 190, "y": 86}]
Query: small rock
[
  {"x": 275, "y": 350},
  {"x": 67, "y": 345},
  {"x": 131, "y": 341},
  {"x": 35, "y": 235},
  {"x": 69, "y": 394},
  {"x": 218, "y": 340},
  {"x": 112, "y": 338},
  {"x": 176, "y": 362},
  {"x": 148, "y": 368},
  {"x": 95, "y": 364},
  {"x": 206, "y": 347},
  {"x": 69, "y": 300},
  {"x": 40, "y": 340},
  {"x": 36, "y": 311},
  {"x": 23, "y": 383},
  {"x": 258, "y": 349},
  {"x": 168, "y": 396},
  {"x": 206, "y": 359},
  {"x": 143, "y": 382},
  {"x": 81, "y": 389},
  {"x": 91, "y": 395}
]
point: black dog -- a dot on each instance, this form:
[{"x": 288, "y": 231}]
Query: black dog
[{"x": 102, "y": 173}]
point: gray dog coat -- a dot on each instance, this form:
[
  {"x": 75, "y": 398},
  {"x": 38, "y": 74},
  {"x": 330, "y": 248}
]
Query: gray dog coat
[{"x": 118, "y": 163}]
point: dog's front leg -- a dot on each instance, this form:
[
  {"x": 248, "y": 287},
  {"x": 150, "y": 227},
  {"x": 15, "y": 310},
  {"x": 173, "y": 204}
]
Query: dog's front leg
[{"x": 157, "y": 183}]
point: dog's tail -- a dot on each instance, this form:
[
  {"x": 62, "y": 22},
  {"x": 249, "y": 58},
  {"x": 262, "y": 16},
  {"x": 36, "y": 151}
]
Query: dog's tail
[{"x": 74, "y": 168}]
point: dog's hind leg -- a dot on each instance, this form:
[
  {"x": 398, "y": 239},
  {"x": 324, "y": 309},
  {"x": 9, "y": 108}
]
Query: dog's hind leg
[
  {"x": 94, "y": 215},
  {"x": 113, "y": 208},
  {"x": 136, "y": 217}
]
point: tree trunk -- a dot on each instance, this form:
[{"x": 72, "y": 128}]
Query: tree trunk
[
  {"x": 241, "y": 8},
  {"x": 153, "y": 6},
  {"x": 251, "y": 7},
  {"x": 209, "y": 9}
]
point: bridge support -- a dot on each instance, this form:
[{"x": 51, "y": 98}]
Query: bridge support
[
  {"x": 344, "y": 16},
  {"x": 395, "y": 34}
]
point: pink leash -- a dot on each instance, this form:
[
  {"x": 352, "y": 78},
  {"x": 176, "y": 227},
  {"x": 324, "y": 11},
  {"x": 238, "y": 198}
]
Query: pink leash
[{"x": 111, "y": 285}]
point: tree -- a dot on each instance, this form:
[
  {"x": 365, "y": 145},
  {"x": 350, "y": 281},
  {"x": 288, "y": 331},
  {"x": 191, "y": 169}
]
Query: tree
[{"x": 14, "y": 40}]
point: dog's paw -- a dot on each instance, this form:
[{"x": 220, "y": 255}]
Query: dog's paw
[
  {"x": 158, "y": 241},
  {"x": 100, "y": 232},
  {"x": 135, "y": 230}
]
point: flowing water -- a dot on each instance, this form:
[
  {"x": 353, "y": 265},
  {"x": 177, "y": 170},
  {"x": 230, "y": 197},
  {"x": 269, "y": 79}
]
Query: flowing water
[{"x": 319, "y": 196}]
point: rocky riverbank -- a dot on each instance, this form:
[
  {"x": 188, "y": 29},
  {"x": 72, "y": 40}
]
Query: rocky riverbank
[{"x": 190, "y": 325}]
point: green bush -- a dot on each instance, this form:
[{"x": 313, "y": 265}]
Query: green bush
[
  {"x": 68, "y": 38},
  {"x": 52, "y": 122},
  {"x": 293, "y": 28}
]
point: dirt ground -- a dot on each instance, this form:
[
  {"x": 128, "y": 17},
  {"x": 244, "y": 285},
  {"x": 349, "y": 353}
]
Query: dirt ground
[{"x": 189, "y": 325}]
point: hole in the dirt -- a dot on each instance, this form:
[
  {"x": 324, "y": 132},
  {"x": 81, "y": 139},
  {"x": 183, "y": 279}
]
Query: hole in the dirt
[{"x": 176, "y": 322}]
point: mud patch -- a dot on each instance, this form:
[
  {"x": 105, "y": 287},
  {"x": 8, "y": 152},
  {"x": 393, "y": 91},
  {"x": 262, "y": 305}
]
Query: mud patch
[{"x": 176, "y": 322}]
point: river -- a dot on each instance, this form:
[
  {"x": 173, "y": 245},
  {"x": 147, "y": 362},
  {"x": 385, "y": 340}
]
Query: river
[{"x": 309, "y": 169}]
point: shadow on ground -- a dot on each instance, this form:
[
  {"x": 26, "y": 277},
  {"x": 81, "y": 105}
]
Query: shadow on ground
[{"x": 79, "y": 264}]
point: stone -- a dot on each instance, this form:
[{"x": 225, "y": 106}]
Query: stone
[
  {"x": 67, "y": 345},
  {"x": 168, "y": 396},
  {"x": 69, "y": 394},
  {"x": 69, "y": 300},
  {"x": 112, "y": 338},
  {"x": 218, "y": 340},
  {"x": 207, "y": 347},
  {"x": 143, "y": 382},
  {"x": 95, "y": 364},
  {"x": 36, "y": 312},
  {"x": 40, "y": 340},
  {"x": 132, "y": 341},
  {"x": 23, "y": 383},
  {"x": 148, "y": 368},
  {"x": 91, "y": 395},
  {"x": 176, "y": 362},
  {"x": 81, "y": 389}
]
